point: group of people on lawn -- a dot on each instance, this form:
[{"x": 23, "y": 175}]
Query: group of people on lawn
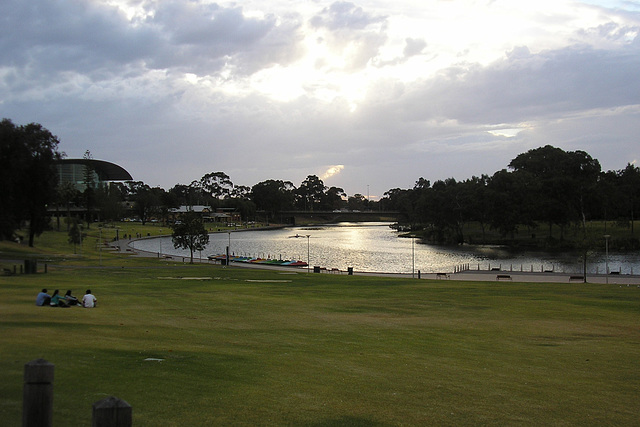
[{"x": 66, "y": 300}]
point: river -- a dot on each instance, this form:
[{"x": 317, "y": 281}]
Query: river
[{"x": 375, "y": 247}]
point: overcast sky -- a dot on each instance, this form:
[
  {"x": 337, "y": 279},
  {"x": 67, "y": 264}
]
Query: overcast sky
[{"x": 369, "y": 95}]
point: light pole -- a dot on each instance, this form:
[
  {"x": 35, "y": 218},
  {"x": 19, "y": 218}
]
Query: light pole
[
  {"x": 308, "y": 252},
  {"x": 229, "y": 250},
  {"x": 606, "y": 260}
]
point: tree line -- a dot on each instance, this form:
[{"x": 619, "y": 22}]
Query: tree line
[{"x": 544, "y": 187}]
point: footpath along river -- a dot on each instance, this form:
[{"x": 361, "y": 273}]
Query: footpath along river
[{"x": 375, "y": 247}]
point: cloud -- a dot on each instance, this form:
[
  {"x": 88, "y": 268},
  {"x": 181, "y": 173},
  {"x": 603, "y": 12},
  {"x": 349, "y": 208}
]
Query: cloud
[
  {"x": 172, "y": 90},
  {"x": 345, "y": 15},
  {"x": 100, "y": 41},
  {"x": 523, "y": 87},
  {"x": 333, "y": 170}
]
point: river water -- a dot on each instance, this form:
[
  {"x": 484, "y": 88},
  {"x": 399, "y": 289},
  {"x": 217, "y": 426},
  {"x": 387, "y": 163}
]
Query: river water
[{"x": 375, "y": 247}]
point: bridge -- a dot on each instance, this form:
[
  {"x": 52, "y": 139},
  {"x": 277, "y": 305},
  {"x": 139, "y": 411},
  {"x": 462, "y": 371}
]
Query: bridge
[{"x": 328, "y": 217}]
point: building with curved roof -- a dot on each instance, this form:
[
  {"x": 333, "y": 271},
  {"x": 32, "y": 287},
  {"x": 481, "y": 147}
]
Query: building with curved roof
[{"x": 74, "y": 171}]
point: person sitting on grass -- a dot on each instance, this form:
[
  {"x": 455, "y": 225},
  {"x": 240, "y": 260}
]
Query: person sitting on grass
[
  {"x": 43, "y": 298},
  {"x": 57, "y": 300},
  {"x": 70, "y": 299},
  {"x": 88, "y": 300}
]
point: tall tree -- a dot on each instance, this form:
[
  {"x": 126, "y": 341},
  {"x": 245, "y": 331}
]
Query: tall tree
[
  {"x": 333, "y": 198},
  {"x": 273, "y": 196},
  {"x": 311, "y": 193},
  {"x": 89, "y": 193},
  {"x": 27, "y": 160},
  {"x": 190, "y": 233},
  {"x": 560, "y": 181},
  {"x": 216, "y": 184},
  {"x": 630, "y": 190}
]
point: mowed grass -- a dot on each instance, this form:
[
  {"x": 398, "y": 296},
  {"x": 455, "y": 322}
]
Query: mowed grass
[{"x": 261, "y": 347}]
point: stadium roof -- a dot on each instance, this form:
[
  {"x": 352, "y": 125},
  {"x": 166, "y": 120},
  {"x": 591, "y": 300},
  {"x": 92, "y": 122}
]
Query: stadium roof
[{"x": 106, "y": 171}]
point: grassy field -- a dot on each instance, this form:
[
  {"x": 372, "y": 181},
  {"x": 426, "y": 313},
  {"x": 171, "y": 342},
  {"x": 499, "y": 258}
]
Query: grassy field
[{"x": 247, "y": 347}]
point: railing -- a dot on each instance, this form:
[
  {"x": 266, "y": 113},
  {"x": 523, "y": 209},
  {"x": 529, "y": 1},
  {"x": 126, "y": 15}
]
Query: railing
[{"x": 37, "y": 401}]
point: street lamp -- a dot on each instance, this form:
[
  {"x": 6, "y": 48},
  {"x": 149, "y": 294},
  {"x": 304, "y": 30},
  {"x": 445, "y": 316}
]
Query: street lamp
[
  {"x": 308, "y": 252},
  {"x": 229, "y": 250},
  {"x": 606, "y": 268}
]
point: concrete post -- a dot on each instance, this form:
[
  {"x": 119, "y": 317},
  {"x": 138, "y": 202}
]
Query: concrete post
[
  {"x": 37, "y": 396},
  {"x": 111, "y": 412}
]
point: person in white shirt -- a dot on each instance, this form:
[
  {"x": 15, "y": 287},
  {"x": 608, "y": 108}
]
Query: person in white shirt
[{"x": 88, "y": 300}]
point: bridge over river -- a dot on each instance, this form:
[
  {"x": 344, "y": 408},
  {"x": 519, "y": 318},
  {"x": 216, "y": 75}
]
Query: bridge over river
[{"x": 324, "y": 217}]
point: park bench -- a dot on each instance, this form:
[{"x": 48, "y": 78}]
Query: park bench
[
  {"x": 576, "y": 278},
  {"x": 7, "y": 272},
  {"x": 336, "y": 271},
  {"x": 503, "y": 277},
  {"x": 442, "y": 275}
]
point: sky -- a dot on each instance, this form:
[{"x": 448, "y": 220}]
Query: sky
[{"x": 368, "y": 95}]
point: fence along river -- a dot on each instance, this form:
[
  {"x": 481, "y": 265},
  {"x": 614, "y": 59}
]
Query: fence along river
[{"x": 375, "y": 247}]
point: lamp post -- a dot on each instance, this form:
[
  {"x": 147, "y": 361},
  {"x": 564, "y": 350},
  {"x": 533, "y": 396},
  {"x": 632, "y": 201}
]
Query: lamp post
[
  {"x": 229, "y": 250},
  {"x": 606, "y": 260},
  {"x": 308, "y": 252}
]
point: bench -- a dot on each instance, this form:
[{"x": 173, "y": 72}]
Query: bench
[
  {"x": 503, "y": 277},
  {"x": 336, "y": 270},
  {"x": 7, "y": 272},
  {"x": 442, "y": 276},
  {"x": 576, "y": 278}
]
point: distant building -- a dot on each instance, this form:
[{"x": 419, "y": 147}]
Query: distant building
[
  {"x": 220, "y": 215},
  {"x": 74, "y": 171}
]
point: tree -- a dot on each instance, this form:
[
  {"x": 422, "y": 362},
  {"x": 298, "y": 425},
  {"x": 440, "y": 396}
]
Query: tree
[
  {"x": 560, "y": 181},
  {"x": 147, "y": 200},
  {"x": 75, "y": 235},
  {"x": 333, "y": 198},
  {"x": 216, "y": 184},
  {"x": 630, "y": 190},
  {"x": 89, "y": 193},
  {"x": 29, "y": 177},
  {"x": 311, "y": 193},
  {"x": 273, "y": 196},
  {"x": 357, "y": 202},
  {"x": 190, "y": 233}
]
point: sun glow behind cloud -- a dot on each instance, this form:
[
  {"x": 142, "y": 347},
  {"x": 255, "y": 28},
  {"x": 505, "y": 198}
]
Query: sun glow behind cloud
[
  {"x": 423, "y": 81},
  {"x": 332, "y": 171}
]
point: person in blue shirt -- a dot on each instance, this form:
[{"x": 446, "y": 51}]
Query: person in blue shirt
[{"x": 43, "y": 298}]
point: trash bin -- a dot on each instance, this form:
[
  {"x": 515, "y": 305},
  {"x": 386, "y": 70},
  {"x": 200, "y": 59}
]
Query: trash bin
[
  {"x": 30, "y": 266},
  {"x": 350, "y": 271},
  {"x": 316, "y": 269}
]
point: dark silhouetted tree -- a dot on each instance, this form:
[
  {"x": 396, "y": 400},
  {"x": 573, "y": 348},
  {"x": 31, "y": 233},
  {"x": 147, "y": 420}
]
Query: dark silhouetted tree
[{"x": 190, "y": 233}]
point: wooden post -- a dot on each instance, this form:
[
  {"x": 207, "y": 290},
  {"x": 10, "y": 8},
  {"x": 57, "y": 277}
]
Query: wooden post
[
  {"x": 37, "y": 396},
  {"x": 111, "y": 412}
]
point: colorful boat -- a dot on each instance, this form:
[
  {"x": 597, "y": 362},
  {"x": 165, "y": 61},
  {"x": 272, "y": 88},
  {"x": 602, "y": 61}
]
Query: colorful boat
[{"x": 262, "y": 261}]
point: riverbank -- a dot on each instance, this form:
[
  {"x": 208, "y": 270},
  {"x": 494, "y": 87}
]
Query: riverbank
[{"x": 124, "y": 246}]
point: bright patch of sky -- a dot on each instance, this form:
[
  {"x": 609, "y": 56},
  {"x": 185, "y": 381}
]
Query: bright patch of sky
[{"x": 388, "y": 91}]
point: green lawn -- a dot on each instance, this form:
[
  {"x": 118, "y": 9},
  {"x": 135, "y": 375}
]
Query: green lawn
[{"x": 262, "y": 347}]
